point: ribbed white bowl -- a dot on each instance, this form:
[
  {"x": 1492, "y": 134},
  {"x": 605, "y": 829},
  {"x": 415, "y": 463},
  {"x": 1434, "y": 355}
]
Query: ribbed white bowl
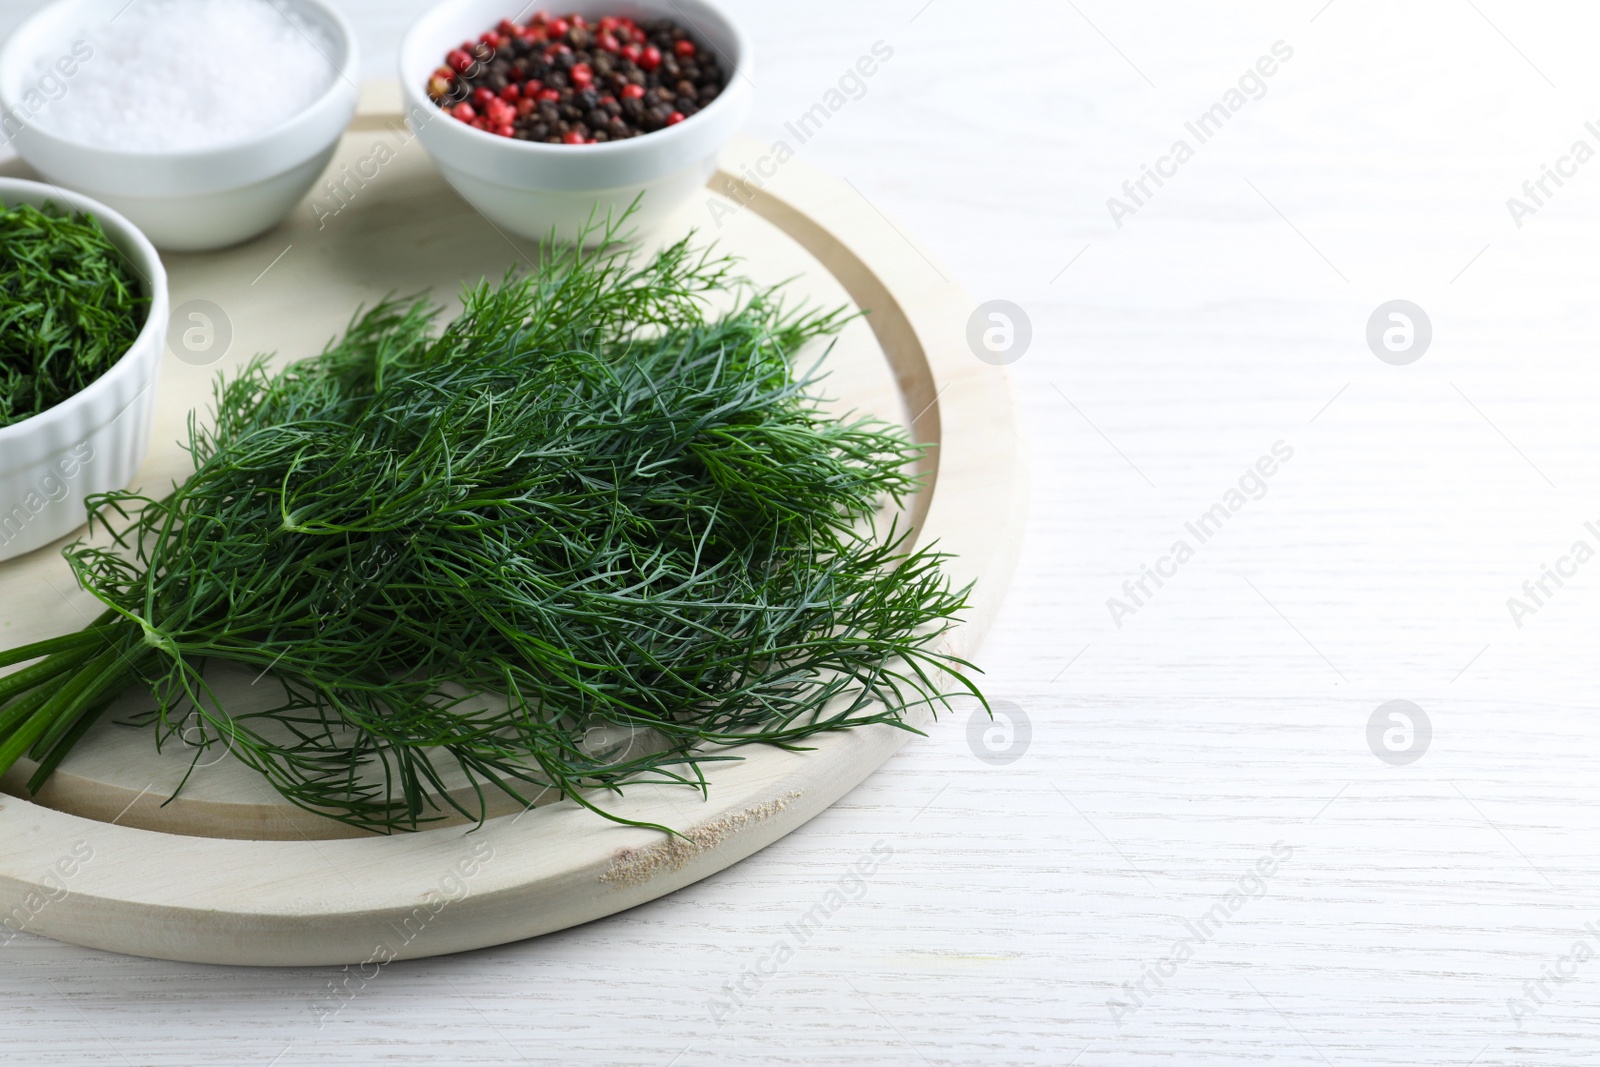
[{"x": 93, "y": 441}]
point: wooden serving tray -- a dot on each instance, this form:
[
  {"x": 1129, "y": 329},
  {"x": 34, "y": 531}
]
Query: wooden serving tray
[{"x": 229, "y": 872}]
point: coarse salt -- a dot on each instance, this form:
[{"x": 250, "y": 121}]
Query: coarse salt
[{"x": 176, "y": 75}]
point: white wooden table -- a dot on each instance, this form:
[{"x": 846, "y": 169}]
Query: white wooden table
[{"x": 1411, "y": 909}]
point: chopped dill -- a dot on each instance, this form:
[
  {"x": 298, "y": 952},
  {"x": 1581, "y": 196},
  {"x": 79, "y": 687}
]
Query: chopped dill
[{"x": 69, "y": 307}]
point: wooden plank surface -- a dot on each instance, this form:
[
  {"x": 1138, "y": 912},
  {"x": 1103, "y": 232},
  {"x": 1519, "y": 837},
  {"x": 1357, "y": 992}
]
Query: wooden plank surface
[{"x": 1168, "y": 755}]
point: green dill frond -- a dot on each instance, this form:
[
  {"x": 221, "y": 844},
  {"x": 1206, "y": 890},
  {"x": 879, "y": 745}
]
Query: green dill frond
[{"x": 589, "y": 506}]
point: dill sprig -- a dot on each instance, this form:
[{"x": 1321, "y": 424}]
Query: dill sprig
[
  {"x": 69, "y": 307},
  {"x": 588, "y": 502}
]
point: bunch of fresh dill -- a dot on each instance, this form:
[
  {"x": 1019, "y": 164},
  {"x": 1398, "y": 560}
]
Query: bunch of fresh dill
[
  {"x": 589, "y": 499},
  {"x": 69, "y": 307}
]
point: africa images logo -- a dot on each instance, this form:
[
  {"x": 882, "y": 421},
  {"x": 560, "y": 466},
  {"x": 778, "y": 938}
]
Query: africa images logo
[{"x": 1252, "y": 85}]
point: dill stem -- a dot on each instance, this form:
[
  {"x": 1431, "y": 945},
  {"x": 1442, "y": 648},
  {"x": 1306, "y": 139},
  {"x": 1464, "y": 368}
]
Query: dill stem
[
  {"x": 25, "y": 707},
  {"x": 41, "y": 672},
  {"x": 54, "y": 756},
  {"x": 63, "y": 707},
  {"x": 87, "y": 637},
  {"x": 24, "y": 737},
  {"x": 110, "y": 680}
]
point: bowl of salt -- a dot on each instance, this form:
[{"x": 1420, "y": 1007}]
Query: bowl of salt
[{"x": 202, "y": 121}]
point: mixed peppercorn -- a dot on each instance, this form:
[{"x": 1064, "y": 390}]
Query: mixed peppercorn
[{"x": 563, "y": 79}]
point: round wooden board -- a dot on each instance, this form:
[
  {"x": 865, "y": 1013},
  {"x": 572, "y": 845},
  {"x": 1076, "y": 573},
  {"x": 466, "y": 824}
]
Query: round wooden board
[{"x": 228, "y": 872}]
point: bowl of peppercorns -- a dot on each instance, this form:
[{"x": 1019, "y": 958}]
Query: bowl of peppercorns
[{"x": 549, "y": 124}]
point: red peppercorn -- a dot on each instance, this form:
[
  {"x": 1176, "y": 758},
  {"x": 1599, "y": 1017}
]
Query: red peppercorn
[
  {"x": 539, "y": 18},
  {"x": 582, "y": 76},
  {"x": 632, "y": 52},
  {"x": 650, "y": 59},
  {"x": 507, "y": 27},
  {"x": 511, "y": 93},
  {"x": 531, "y": 89},
  {"x": 632, "y": 92},
  {"x": 572, "y": 137},
  {"x": 459, "y": 61},
  {"x": 608, "y": 43},
  {"x": 525, "y": 108},
  {"x": 609, "y": 23},
  {"x": 556, "y": 50},
  {"x": 549, "y": 96},
  {"x": 578, "y": 22},
  {"x": 684, "y": 49},
  {"x": 607, "y": 100},
  {"x": 505, "y": 129},
  {"x": 481, "y": 96},
  {"x": 464, "y": 112},
  {"x": 674, "y": 118},
  {"x": 559, "y": 27}
]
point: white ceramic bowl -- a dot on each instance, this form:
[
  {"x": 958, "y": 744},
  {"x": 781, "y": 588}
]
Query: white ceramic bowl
[
  {"x": 188, "y": 200},
  {"x": 532, "y": 189},
  {"x": 93, "y": 441}
]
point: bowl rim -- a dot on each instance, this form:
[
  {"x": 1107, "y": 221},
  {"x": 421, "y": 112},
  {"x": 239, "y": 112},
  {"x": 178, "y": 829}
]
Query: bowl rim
[
  {"x": 153, "y": 331},
  {"x": 661, "y": 139},
  {"x": 339, "y": 86}
]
